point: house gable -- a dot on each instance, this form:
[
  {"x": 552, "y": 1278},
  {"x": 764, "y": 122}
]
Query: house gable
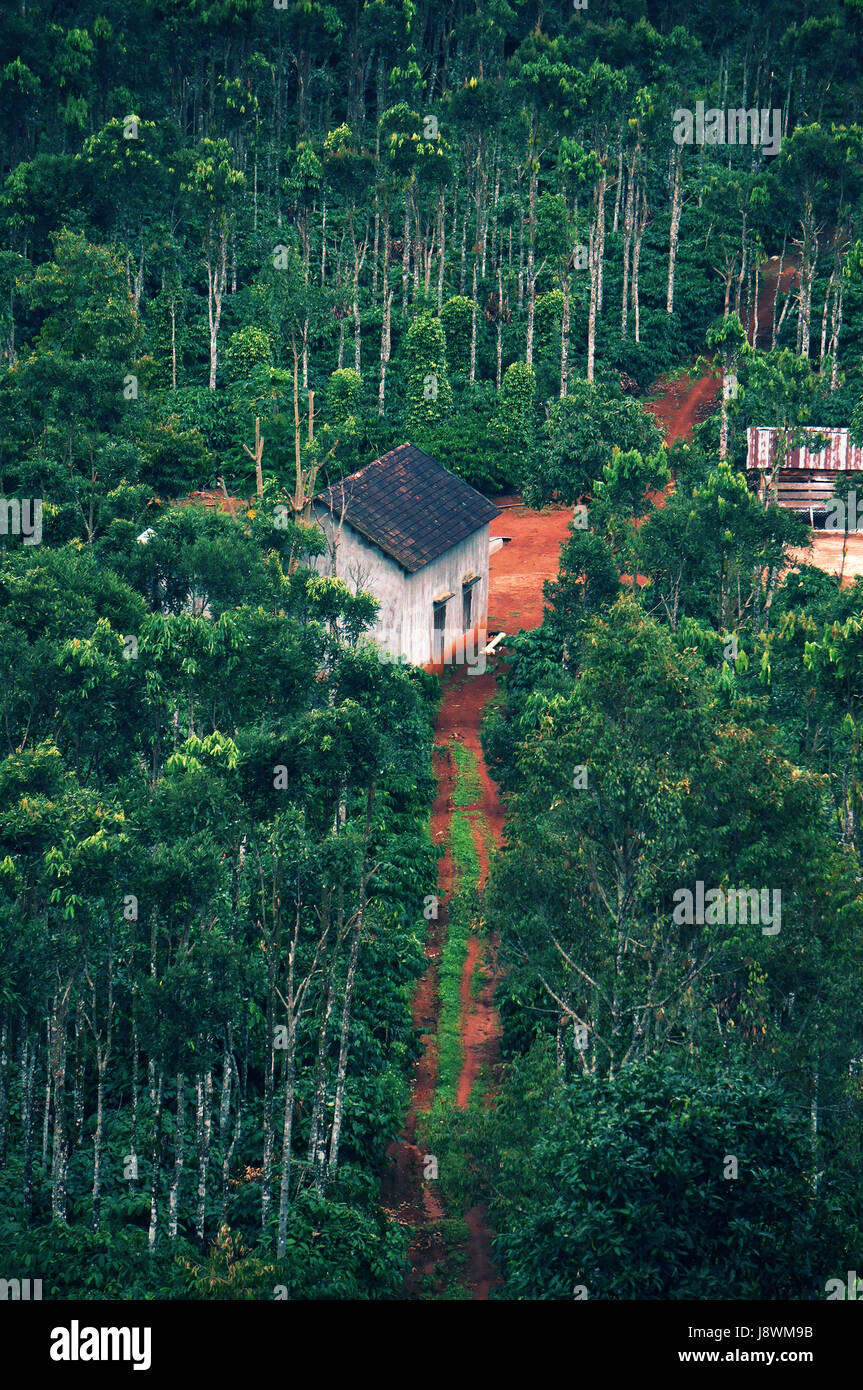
[{"x": 409, "y": 505}]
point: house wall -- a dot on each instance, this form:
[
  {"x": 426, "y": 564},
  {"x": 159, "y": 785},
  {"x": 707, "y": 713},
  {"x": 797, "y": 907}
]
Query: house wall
[
  {"x": 365, "y": 566},
  {"x": 405, "y": 621},
  {"x": 446, "y": 574}
]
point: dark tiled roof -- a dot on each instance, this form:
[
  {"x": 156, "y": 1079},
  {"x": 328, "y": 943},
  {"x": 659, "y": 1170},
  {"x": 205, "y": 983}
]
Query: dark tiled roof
[{"x": 410, "y": 505}]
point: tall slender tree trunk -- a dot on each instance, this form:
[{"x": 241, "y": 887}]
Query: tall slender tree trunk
[
  {"x": 155, "y": 1166},
  {"x": 385, "y": 347},
  {"x": 442, "y": 255},
  {"x": 341, "y": 356},
  {"x": 179, "y": 1130},
  {"x": 473, "y": 319},
  {"x": 723, "y": 418},
  {"x": 618, "y": 192},
  {"x": 827, "y": 297},
  {"x": 406, "y": 254},
  {"x": 776, "y": 297},
  {"x": 600, "y": 231},
  {"x": 596, "y": 257},
  {"x": 498, "y": 375},
  {"x": 103, "y": 1053},
  {"x": 4, "y": 1090},
  {"x": 359, "y": 258},
  {"x": 641, "y": 220},
  {"x": 520, "y": 264},
  {"x": 287, "y": 1135},
  {"x": 46, "y": 1108},
  {"x": 269, "y": 1078},
  {"x": 564, "y": 339},
  {"x": 28, "y": 1075},
  {"x": 203, "y": 1116},
  {"x": 338, "y": 1107},
  {"x": 229, "y": 1068},
  {"x": 813, "y": 1125},
  {"x": 809, "y": 254},
  {"x": 78, "y": 1076},
  {"x": 674, "y": 231},
  {"x": 173, "y": 343},
  {"x": 317, "y": 1131},
  {"x": 531, "y": 254},
  {"x": 60, "y": 1138},
  {"x": 216, "y": 278},
  {"x": 628, "y": 220},
  {"x": 836, "y": 329}
]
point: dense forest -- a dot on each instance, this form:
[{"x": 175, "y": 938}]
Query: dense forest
[{"x": 246, "y": 248}]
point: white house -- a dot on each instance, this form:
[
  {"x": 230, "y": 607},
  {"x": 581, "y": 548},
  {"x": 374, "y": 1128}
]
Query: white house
[{"x": 410, "y": 532}]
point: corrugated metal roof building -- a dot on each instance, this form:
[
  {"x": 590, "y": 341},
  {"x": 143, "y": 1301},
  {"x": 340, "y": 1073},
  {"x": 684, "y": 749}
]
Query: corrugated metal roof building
[{"x": 806, "y": 481}]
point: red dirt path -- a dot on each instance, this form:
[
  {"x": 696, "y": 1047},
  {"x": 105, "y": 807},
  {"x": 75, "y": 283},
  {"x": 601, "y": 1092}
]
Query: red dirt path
[
  {"x": 516, "y": 575},
  {"x": 683, "y": 404},
  {"x": 768, "y": 285},
  {"x": 517, "y": 572}
]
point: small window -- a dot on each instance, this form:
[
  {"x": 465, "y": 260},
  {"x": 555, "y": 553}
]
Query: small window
[
  {"x": 439, "y": 630},
  {"x": 468, "y": 612}
]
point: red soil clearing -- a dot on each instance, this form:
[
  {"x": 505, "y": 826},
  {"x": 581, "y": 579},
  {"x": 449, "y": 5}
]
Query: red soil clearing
[
  {"x": 683, "y": 402},
  {"x": 517, "y": 571}
]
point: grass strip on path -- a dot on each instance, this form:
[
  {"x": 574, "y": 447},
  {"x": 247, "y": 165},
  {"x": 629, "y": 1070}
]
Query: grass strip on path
[
  {"x": 459, "y": 916},
  {"x": 468, "y": 787}
]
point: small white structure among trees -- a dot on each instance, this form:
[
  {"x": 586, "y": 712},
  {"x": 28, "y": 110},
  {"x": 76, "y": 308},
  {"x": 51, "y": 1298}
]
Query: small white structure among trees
[{"x": 410, "y": 532}]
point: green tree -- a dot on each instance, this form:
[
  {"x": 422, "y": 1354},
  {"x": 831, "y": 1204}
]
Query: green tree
[
  {"x": 429, "y": 395},
  {"x": 579, "y": 435},
  {"x": 625, "y": 1179}
]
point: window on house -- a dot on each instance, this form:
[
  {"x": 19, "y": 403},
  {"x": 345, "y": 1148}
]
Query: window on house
[
  {"x": 468, "y": 610},
  {"x": 439, "y": 630}
]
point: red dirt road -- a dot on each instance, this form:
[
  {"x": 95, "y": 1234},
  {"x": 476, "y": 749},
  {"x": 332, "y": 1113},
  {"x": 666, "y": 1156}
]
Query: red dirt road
[
  {"x": 517, "y": 573},
  {"x": 769, "y": 284},
  {"x": 683, "y": 404}
]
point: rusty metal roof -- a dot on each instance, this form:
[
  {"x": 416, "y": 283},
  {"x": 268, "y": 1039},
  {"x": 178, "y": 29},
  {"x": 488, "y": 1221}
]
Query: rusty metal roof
[
  {"x": 840, "y": 453},
  {"x": 410, "y": 505}
]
